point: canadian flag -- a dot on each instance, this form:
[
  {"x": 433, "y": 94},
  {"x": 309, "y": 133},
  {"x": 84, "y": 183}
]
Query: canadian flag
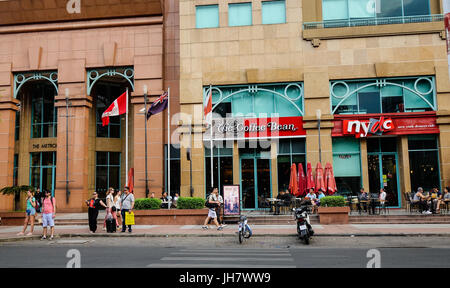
[
  {"x": 208, "y": 107},
  {"x": 118, "y": 107}
]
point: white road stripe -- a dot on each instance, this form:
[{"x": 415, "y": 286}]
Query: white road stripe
[
  {"x": 227, "y": 254},
  {"x": 225, "y": 259}
]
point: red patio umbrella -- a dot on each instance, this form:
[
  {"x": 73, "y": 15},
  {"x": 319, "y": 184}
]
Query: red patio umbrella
[
  {"x": 309, "y": 177},
  {"x": 320, "y": 183},
  {"x": 330, "y": 182},
  {"x": 293, "y": 184},
  {"x": 301, "y": 181}
]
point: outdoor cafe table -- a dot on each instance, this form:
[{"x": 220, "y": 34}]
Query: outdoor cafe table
[{"x": 273, "y": 202}]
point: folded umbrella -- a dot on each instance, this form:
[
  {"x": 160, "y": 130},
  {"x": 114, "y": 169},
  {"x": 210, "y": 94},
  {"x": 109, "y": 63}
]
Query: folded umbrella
[
  {"x": 331, "y": 183},
  {"x": 301, "y": 181},
  {"x": 319, "y": 181},
  {"x": 309, "y": 177},
  {"x": 293, "y": 184}
]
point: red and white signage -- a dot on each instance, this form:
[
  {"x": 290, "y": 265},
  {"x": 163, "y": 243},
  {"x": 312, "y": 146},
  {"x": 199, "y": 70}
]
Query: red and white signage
[
  {"x": 248, "y": 128},
  {"x": 385, "y": 124},
  {"x": 361, "y": 128}
]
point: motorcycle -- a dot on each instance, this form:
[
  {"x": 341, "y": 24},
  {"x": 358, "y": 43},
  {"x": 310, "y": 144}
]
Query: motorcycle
[
  {"x": 244, "y": 229},
  {"x": 304, "y": 228}
]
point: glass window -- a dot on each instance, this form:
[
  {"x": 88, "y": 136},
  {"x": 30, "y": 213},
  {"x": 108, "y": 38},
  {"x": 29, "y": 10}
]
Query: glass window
[
  {"x": 393, "y": 96},
  {"x": 222, "y": 165},
  {"x": 290, "y": 151},
  {"x": 389, "y": 8},
  {"x": 385, "y": 144},
  {"x": 361, "y": 8},
  {"x": 346, "y": 157},
  {"x": 416, "y": 7},
  {"x": 42, "y": 170},
  {"x": 107, "y": 172},
  {"x": 16, "y": 169},
  {"x": 424, "y": 162},
  {"x": 175, "y": 170},
  {"x": 17, "y": 130},
  {"x": 106, "y": 93},
  {"x": 273, "y": 12},
  {"x": 43, "y": 115},
  {"x": 347, "y": 186},
  {"x": 207, "y": 16},
  {"x": 335, "y": 9},
  {"x": 240, "y": 14},
  {"x": 258, "y": 101}
]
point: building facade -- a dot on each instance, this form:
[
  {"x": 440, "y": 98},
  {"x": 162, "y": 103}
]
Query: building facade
[
  {"x": 374, "y": 74},
  {"x": 62, "y": 63}
]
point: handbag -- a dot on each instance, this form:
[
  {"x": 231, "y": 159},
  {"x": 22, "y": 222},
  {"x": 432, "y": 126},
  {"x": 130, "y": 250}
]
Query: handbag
[{"x": 129, "y": 218}]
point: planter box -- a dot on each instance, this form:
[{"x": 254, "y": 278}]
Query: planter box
[
  {"x": 170, "y": 217},
  {"x": 12, "y": 218},
  {"x": 333, "y": 215}
]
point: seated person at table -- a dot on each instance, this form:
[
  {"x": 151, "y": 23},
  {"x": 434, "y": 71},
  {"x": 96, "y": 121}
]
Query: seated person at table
[
  {"x": 446, "y": 196},
  {"x": 285, "y": 198},
  {"x": 362, "y": 196},
  {"x": 165, "y": 199},
  {"x": 422, "y": 199},
  {"x": 321, "y": 195},
  {"x": 436, "y": 198},
  {"x": 311, "y": 198}
]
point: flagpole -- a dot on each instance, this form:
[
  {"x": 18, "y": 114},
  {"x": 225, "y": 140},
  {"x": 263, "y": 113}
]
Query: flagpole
[
  {"x": 211, "y": 144},
  {"x": 126, "y": 143},
  {"x": 168, "y": 144}
]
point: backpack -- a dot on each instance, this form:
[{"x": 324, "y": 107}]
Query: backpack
[{"x": 208, "y": 204}]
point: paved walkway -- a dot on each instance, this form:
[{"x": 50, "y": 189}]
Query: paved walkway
[{"x": 9, "y": 233}]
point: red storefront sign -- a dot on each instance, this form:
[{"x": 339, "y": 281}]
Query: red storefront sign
[
  {"x": 246, "y": 128},
  {"x": 385, "y": 124}
]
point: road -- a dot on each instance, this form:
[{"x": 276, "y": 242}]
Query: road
[{"x": 226, "y": 252}]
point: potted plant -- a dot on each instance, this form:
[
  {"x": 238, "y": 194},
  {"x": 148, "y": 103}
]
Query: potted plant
[
  {"x": 333, "y": 210},
  {"x": 189, "y": 211},
  {"x": 14, "y": 217}
]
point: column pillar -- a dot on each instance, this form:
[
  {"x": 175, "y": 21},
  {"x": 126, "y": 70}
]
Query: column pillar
[
  {"x": 405, "y": 176},
  {"x": 72, "y": 76},
  {"x": 443, "y": 121},
  {"x": 364, "y": 164},
  {"x": 8, "y": 108}
]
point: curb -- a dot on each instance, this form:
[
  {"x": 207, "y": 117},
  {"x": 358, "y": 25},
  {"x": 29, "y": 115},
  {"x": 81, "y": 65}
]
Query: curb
[{"x": 101, "y": 235}]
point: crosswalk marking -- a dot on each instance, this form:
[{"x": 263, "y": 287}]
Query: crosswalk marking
[{"x": 226, "y": 258}]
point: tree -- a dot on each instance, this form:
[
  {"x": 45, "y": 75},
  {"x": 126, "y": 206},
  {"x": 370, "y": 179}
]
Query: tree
[{"x": 16, "y": 190}]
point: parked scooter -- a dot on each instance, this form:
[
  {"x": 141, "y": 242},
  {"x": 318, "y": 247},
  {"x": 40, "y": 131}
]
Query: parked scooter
[
  {"x": 245, "y": 231},
  {"x": 304, "y": 228}
]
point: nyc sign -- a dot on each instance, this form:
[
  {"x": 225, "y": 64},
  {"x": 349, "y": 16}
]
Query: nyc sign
[{"x": 362, "y": 128}]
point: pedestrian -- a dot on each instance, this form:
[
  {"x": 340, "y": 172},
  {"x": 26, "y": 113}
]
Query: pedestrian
[
  {"x": 126, "y": 205},
  {"x": 110, "y": 207},
  {"x": 219, "y": 210},
  {"x": 94, "y": 205},
  {"x": 117, "y": 200},
  {"x": 213, "y": 201},
  {"x": 48, "y": 214},
  {"x": 29, "y": 214},
  {"x": 38, "y": 196}
]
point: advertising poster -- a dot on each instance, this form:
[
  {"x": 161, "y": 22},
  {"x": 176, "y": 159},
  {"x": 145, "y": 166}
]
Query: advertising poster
[{"x": 231, "y": 200}]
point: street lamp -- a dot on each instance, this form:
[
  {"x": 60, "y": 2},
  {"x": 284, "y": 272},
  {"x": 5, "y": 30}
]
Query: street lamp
[{"x": 318, "y": 115}]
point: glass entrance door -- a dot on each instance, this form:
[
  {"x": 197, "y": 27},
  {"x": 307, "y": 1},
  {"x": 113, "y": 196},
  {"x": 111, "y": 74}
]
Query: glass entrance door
[
  {"x": 383, "y": 174},
  {"x": 255, "y": 182}
]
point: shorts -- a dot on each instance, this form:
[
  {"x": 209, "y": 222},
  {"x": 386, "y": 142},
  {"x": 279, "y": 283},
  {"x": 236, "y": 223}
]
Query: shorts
[
  {"x": 31, "y": 212},
  {"x": 212, "y": 213},
  {"x": 47, "y": 220}
]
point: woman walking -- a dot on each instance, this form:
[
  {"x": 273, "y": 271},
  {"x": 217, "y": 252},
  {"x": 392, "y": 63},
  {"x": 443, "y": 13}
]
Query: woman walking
[
  {"x": 30, "y": 214},
  {"x": 94, "y": 204},
  {"x": 48, "y": 214}
]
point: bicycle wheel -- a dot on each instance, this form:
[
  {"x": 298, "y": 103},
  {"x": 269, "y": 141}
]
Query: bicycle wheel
[{"x": 241, "y": 235}]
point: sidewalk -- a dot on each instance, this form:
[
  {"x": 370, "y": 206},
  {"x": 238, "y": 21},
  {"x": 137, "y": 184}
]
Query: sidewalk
[{"x": 352, "y": 230}]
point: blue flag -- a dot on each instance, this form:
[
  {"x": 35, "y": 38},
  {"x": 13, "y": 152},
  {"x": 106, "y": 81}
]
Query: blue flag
[{"x": 158, "y": 106}]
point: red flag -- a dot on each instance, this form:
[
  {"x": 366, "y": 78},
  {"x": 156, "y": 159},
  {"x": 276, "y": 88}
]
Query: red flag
[
  {"x": 131, "y": 180},
  {"x": 207, "y": 109},
  {"x": 118, "y": 107}
]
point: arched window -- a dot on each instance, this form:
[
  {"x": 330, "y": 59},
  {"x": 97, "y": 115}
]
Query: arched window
[{"x": 383, "y": 96}]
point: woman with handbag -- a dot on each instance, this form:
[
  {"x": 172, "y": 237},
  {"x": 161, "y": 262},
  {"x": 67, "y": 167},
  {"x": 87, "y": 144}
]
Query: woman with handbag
[
  {"x": 94, "y": 204},
  {"x": 117, "y": 200},
  {"x": 110, "y": 207}
]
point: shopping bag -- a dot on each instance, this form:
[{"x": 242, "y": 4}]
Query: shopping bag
[{"x": 129, "y": 218}]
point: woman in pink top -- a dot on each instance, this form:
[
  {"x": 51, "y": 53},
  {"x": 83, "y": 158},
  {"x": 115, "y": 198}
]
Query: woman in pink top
[{"x": 48, "y": 214}]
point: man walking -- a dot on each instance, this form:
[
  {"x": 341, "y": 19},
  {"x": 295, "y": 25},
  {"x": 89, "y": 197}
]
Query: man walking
[{"x": 127, "y": 205}]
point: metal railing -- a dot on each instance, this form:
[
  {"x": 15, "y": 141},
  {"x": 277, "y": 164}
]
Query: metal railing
[{"x": 372, "y": 21}]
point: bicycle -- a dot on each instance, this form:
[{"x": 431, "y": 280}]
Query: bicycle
[{"x": 245, "y": 231}]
